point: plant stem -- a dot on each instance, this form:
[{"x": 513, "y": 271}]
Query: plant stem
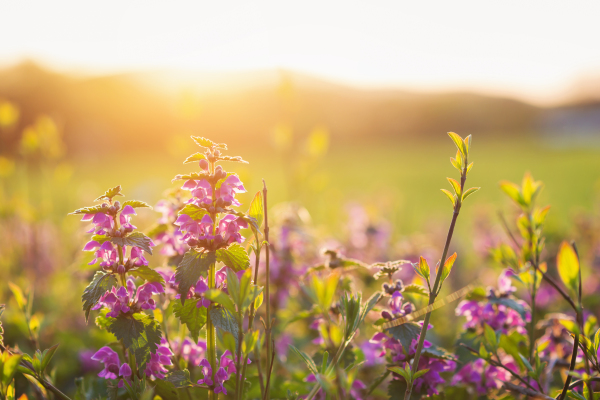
[
  {"x": 436, "y": 285},
  {"x": 251, "y": 318},
  {"x": 563, "y": 394},
  {"x": 270, "y": 358},
  {"x": 211, "y": 331}
]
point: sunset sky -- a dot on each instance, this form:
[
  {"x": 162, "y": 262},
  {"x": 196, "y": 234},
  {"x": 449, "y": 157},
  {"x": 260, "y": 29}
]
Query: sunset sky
[{"x": 536, "y": 50}]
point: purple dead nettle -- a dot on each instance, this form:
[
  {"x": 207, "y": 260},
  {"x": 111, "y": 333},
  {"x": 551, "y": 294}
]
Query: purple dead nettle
[
  {"x": 483, "y": 376},
  {"x": 191, "y": 352},
  {"x": 129, "y": 300},
  {"x": 113, "y": 369},
  {"x": 225, "y": 369},
  {"x": 498, "y": 316}
]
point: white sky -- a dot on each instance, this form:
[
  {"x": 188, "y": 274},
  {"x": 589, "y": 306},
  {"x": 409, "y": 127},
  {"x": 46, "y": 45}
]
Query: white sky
[{"x": 533, "y": 49}]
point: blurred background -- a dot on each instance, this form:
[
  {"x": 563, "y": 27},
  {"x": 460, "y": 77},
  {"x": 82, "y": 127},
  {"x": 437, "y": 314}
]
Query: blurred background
[{"x": 342, "y": 107}]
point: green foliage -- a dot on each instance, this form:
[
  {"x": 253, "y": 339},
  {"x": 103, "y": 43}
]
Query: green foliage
[
  {"x": 256, "y": 209},
  {"x": 101, "y": 282},
  {"x": 135, "y": 239},
  {"x": 447, "y": 268},
  {"x": 234, "y": 256},
  {"x": 510, "y": 303},
  {"x": 194, "y": 175},
  {"x": 179, "y": 379},
  {"x": 140, "y": 334},
  {"x": 195, "y": 158},
  {"x": 224, "y": 320},
  {"x": 405, "y": 333},
  {"x": 189, "y": 270},
  {"x": 146, "y": 273},
  {"x": 321, "y": 291},
  {"x": 136, "y": 204},
  {"x": 110, "y": 193},
  {"x": 193, "y": 317},
  {"x": 222, "y": 298},
  {"x": 568, "y": 266},
  {"x": 415, "y": 289},
  {"x": 354, "y": 313},
  {"x": 90, "y": 210},
  {"x": 525, "y": 195},
  {"x": 207, "y": 143},
  {"x": 8, "y": 368},
  {"x": 195, "y": 212},
  {"x": 312, "y": 367},
  {"x": 422, "y": 269}
]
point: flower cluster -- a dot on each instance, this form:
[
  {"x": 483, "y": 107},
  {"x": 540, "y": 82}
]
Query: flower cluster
[
  {"x": 191, "y": 352},
  {"x": 108, "y": 254},
  {"x": 483, "y": 376},
  {"x": 161, "y": 357},
  {"x": 225, "y": 369},
  {"x": 113, "y": 369},
  {"x": 497, "y": 315},
  {"x": 202, "y": 232},
  {"x": 165, "y": 235},
  {"x": 129, "y": 300}
]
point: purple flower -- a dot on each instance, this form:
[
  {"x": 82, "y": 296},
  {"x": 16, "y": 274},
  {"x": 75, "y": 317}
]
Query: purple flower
[
  {"x": 124, "y": 300},
  {"x": 112, "y": 365},
  {"x": 226, "y": 367},
  {"x": 155, "y": 366},
  {"x": 191, "y": 352},
  {"x": 484, "y": 377}
]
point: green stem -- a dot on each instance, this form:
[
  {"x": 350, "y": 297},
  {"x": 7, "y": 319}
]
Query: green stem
[
  {"x": 270, "y": 359},
  {"x": 211, "y": 331},
  {"x": 563, "y": 394},
  {"x": 436, "y": 285}
]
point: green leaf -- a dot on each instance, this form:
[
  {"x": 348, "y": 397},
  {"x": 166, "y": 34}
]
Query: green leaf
[
  {"x": 166, "y": 390},
  {"x": 110, "y": 193},
  {"x": 195, "y": 212},
  {"x": 234, "y": 158},
  {"x": 434, "y": 351},
  {"x": 9, "y": 367},
  {"x": 568, "y": 266},
  {"x": 307, "y": 359},
  {"x": 510, "y": 303},
  {"x": 139, "y": 333},
  {"x": 469, "y": 192},
  {"x": 146, "y": 273},
  {"x": 18, "y": 295},
  {"x": 526, "y": 362},
  {"x": 135, "y": 204},
  {"x": 194, "y": 175},
  {"x": 423, "y": 269},
  {"x": 90, "y": 210},
  {"x": 135, "y": 239},
  {"x": 158, "y": 229},
  {"x": 469, "y": 167},
  {"x": 47, "y": 356},
  {"x": 220, "y": 297},
  {"x": 256, "y": 209},
  {"x": 458, "y": 141},
  {"x": 419, "y": 373},
  {"x": 257, "y": 302},
  {"x": 189, "y": 270},
  {"x": 455, "y": 186},
  {"x": 401, "y": 371},
  {"x": 250, "y": 341},
  {"x": 195, "y": 158},
  {"x": 450, "y": 196},
  {"x": 490, "y": 337},
  {"x": 179, "y": 379},
  {"x": 416, "y": 289},
  {"x": 193, "y": 317},
  {"x": 235, "y": 257},
  {"x": 97, "y": 287},
  {"x": 406, "y": 333},
  {"x": 223, "y": 319},
  {"x": 203, "y": 142},
  {"x": 447, "y": 267},
  {"x": 513, "y": 191},
  {"x": 102, "y": 321}
]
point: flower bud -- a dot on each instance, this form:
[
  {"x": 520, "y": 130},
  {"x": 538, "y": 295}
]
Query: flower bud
[
  {"x": 112, "y": 210},
  {"x": 220, "y": 202},
  {"x": 217, "y": 153},
  {"x": 104, "y": 205},
  {"x": 192, "y": 242},
  {"x": 386, "y": 314},
  {"x": 121, "y": 269},
  {"x": 117, "y": 204},
  {"x": 204, "y": 164},
  {"x": 211, "y": 209}
]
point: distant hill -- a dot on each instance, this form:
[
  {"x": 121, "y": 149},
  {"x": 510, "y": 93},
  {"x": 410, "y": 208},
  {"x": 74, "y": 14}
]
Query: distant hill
[{"x": 141, "y": 110}]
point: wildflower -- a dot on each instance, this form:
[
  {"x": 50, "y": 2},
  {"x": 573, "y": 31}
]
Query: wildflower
[
  {"x": 224, "y": 371},
  {"x": 484, "y": 377},
  {"x": 127, "y": 299},
  {"x": 161, "y": 357},
  {"x": 112, "y": 365},
  {"x": 191, "y": 352}
]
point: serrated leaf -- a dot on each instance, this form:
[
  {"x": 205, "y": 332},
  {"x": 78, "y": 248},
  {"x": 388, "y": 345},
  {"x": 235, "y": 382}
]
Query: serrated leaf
[
  {"x": 416, "y": 289},
  {"x": 234, "y": 159},
  {"x": 110, "y": 193},
  {"x": 256, "y": 209},
  {"x": 90, "y": 210},
  {"x": 307, "y": 359},
  {"x": 195, "y": 158},
  {"x": 97, "y": 287},
  {"x": 146, "y": 273},
  {"x": 234, "y": 256},
  {"x": 192, "y": 316},
  {"x": 135, "y": 239},
  {"x": 469, "y": 192},
  {"x": 203, "y": 142},
  {"x": 455, "y": 186},
  {"x": 102, "y": 321},
  {"x": 568, "y": 266},
  {"x": 139, "y": 333},
  {"x": 224, "y": 320},
  {"x": 450, "y": 196},
  {"x": 195, "y": 212},
  {"x": 135, "y": 204},
  {"x": 405, "y": 333},
  {"x": 189, "y": 270},
  {"x": 179, "y": 379},
  {"x": 197, "y": 176}
]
